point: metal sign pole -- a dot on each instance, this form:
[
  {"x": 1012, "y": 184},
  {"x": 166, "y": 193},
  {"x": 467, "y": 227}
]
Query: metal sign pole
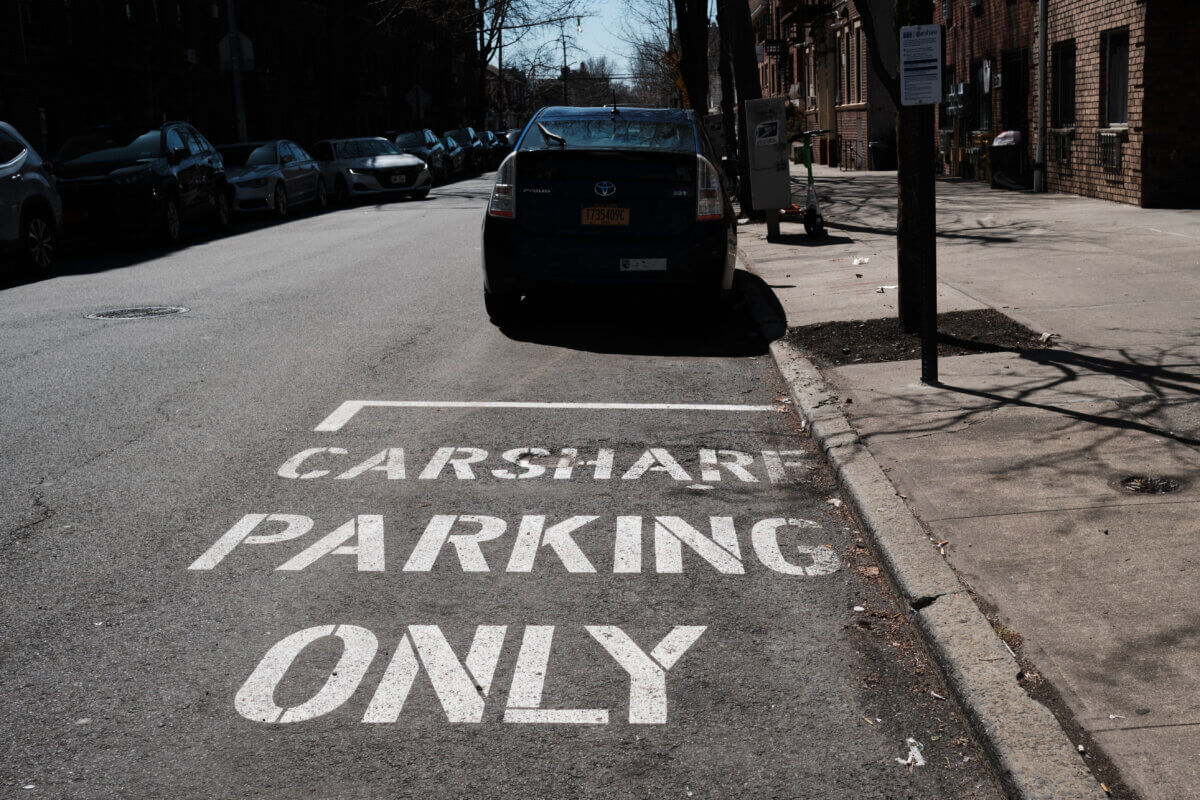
[{"x": 921, "y": 85}]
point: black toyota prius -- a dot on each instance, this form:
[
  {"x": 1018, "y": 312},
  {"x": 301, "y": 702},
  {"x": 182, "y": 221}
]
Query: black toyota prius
[{"x": 607, "y": 197}]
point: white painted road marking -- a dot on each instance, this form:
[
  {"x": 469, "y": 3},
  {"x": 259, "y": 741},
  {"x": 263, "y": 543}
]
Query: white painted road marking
[
  {"x": 462, "y": 687},
  {"x": 534, "y": 462},
  {"x": 346, "y": 411},
  {"x": 363, "y": 538}
]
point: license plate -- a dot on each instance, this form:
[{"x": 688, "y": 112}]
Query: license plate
[
  {"x": 643, "y": 265},
  {"x": 605, "y": 215},
  {"x": 398, "y": 179}
]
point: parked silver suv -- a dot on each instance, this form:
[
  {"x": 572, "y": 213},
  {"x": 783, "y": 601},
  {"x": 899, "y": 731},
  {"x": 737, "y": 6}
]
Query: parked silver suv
[{"x": 30, "y": 210}]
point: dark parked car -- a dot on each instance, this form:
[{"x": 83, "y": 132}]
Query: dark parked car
[
  {"x": 477, "y": 157},
  {"x": 496, "y": 149},
  {"x": 596, "y": 196},
  {"x": 154, "y": 182},
  {"x": 30, "y": 210},
  {"x": 425, "y": 145},
  {"x": 273, "y": 175},
  {"x": 456, "y": 156}
]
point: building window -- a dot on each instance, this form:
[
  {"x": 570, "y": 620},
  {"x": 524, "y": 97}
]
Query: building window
[
  {"x": 841, "y": 69},
  {"x": 860, "y": 66},
  {"x": 1062, "y": 86},
  {"x": 1116, "y": 76},
  {"x": 982, "y": 107}
]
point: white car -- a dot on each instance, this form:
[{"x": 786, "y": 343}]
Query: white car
[
  {"x": 371, "y": 166},
  {"x": 275, "y": 176},
  {"x": 30, "y": 209}
]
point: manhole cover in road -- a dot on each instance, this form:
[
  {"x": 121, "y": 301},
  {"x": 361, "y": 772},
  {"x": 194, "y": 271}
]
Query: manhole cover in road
[
  {"x": 139, "y": 312},
  {"x": 1147, "y": 484}
]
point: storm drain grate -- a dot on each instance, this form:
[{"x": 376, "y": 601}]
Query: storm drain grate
[
  {"x": 1146, "y": 484},
  {"x": 139, "y": 312}
]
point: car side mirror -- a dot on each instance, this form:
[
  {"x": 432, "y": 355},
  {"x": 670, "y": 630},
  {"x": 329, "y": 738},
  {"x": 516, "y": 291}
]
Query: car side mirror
[
  {"x": 177, "y": 154},
  {"x": 287, "y": 159}
]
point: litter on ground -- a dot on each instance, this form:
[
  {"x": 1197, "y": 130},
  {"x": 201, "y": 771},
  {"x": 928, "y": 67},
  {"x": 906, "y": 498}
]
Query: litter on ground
[{"x": 915, "y": 759}]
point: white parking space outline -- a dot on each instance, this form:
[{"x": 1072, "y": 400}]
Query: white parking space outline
[{"x": 346, "y": 411}]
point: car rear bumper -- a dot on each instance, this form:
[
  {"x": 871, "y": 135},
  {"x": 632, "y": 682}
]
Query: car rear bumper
[{"x": 515, "y": 260}]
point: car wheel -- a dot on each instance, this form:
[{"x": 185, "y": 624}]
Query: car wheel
[
  {"x": 280, "y": 201},
  {"x": 220, "y": 220},
  {"x": 421, "y": 195},
  {"x": 38, "y": 241},
  {"x": 341, "y": 191},
  {"x": 170, "y": 226},
  {"x": 322, "y": 198},
  {"x": 501, "y": 307}
]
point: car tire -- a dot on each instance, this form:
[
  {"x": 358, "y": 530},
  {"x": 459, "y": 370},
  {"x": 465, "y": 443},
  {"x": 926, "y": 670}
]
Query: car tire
[
  {"x": 341, "y": 191},
  {"x": 221, "y": 211},
  {"x": 170, "y": 226},
  {"x": 39, "y": 241},
  {"x": 280, "y": 201},
  {"x": 321, "y": 199},
  {"x": 501, "y": 307},
  {"x": 421, "y": 195}
]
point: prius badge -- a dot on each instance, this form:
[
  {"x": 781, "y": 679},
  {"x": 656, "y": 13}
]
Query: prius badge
[{"x": 605, "y": 188}]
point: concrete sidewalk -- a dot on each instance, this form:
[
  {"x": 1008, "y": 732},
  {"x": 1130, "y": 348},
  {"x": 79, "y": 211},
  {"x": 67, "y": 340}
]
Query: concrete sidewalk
[{"x": 1016, "y": 461}]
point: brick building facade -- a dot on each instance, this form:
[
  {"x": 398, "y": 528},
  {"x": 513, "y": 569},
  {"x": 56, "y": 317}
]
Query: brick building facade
[
  {"x": 988, "y": 83},
  {"x": 1120, "y": 75},
  {"x": 815, "y": 53}
]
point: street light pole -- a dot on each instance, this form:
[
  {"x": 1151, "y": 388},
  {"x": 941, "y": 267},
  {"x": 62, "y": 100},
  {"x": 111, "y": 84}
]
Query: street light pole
[{"x": 563, "y": 34}]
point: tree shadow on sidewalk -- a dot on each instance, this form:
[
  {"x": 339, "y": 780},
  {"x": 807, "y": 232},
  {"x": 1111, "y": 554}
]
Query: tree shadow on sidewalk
[{"x": 1166, "y": 390}]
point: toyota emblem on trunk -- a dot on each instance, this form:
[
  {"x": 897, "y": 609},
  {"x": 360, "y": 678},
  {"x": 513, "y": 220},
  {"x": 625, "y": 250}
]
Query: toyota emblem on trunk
[{"x": 606, "y": 188}]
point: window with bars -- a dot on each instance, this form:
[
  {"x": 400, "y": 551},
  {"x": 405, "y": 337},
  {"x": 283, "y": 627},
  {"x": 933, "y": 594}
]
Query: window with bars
[
  {"x": 1060, "y": 147},
  {"x": 1062, "y": 86},
  {"x": 1108, "y": 150}
]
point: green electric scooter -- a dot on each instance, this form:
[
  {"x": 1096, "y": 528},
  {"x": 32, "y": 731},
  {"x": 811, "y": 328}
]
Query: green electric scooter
[{"x": 814, "y": 223}]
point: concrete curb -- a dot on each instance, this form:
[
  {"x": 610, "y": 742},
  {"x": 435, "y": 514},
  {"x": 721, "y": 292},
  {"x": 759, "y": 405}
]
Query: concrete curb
[{"x": 1028, "y": 750}]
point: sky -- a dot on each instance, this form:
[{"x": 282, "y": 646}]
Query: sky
[{"x": 600, "y": 36}]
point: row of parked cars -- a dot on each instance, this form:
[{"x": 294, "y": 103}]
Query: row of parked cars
[{"x": 111, "y": 182}]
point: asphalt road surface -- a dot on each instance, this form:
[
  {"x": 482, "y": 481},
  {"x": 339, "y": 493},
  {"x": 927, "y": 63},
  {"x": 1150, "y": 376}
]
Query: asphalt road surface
[{"x": 331, "y": 534}]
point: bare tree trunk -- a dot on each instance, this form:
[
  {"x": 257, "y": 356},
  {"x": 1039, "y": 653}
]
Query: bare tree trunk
[
  {"x": 725, "y": 71},
  {"x": 736, "y": 17},
  {"x": 693, "y": 49}
]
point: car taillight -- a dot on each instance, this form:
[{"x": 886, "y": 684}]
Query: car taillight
[
  {"x": 504, "y": 192},
  {"x": 709, "y": 205}
]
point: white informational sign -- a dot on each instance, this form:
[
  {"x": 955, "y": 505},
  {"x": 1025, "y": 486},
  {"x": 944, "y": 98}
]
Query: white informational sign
[{"x": 920, "y": 65}]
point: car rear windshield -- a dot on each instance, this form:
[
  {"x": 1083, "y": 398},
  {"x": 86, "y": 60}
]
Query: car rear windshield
[
  {"x": 109, "y": 145},
  {"x": 613, "y": 134},
  {"x": 248, "y": 155}
]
